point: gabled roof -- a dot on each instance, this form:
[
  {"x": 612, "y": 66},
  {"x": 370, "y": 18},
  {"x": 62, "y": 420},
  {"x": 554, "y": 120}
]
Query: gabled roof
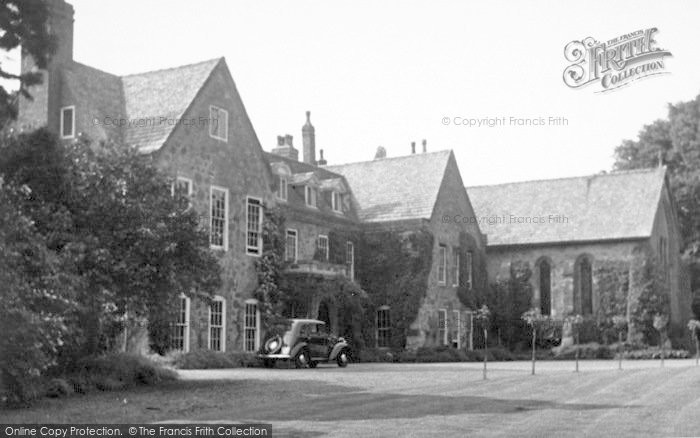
[
  {"x": 398, "y": 188},
  {"x": 162, "y": 93},
  {"x": 150, "y": 96},
  {"x": 611, "y": 206}
]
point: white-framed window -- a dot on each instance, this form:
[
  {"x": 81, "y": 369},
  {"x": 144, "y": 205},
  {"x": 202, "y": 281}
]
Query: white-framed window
[
  {"x": 323, "y": 246},
  {"x": 218, "y": 123},
  {"x": 218, "y": 223},
  {"x": 251, "y": 326},
  {"x": 456, "y": 259},
  {"x": 383, "y": 327},
  {"x": 442, "y": 327},
  {"x": 254, "y": 226},
  {"x": 350, "y": 259},
  {"x": 217, "y": 324},
  {"x": 290, "y": 248},
  {"x": 442, "y": 264},
  {"x": 310, "y": 196},
  {"x": 470, "y": 270},
  {"x": 68, "y": 121},
  {"x": 457, "y": 333},
  {"x": 283, "y": 188},
  {"x": 336, "y": 202},
  {"x": 180, "y": 339}
]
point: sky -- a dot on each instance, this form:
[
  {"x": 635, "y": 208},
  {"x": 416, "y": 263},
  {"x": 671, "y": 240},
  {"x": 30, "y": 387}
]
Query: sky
[{"x": 388, "y": 73}]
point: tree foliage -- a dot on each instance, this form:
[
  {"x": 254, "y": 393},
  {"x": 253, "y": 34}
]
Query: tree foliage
[
  {"x": 23, "y": 23},
  {"x": 675, "y": 141},
  {"x": 35, "y": 296},
  {"x": 109, "y": 214}
]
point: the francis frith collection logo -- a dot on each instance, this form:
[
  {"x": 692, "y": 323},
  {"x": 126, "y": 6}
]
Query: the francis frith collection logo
[{"x": 614, "y": 63}]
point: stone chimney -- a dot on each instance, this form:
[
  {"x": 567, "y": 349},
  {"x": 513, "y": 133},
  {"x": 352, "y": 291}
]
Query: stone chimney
[
  {"x": 322, "y": 161},
  {"x": 425, "y": 145},
  {"x": 381, "y": 153},
  {"x": 308, "y": 134},
  {"x": 43, "y": 109},
  {"x": 413, "y": 147},
  {"x": 285, "y": 148}
]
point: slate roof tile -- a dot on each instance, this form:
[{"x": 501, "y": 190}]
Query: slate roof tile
[{"x": 616, "y": 205}]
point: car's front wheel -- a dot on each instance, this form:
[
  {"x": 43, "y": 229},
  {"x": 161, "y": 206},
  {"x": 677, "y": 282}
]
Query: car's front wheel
[
  {"x": 302, "y": 358},
  {"x": 342, "y": 358}
]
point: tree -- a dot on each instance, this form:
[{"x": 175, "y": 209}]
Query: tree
[
  {"x": 675, "y": 142},
  {"x": 34, "y": 294},
  {"x": 694, "y": 327},
  {"x": 483, "y": 316},
  {"x": 109, "y": 212},
  {"x": 660, "y": 324},
  {"x": 23, "y": 23},
  {"x": 620, "y": 326},
  {"x": 536, "y": 321}
]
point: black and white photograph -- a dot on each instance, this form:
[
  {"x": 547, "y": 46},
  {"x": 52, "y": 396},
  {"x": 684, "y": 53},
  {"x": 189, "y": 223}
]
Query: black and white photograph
[{"x": 318, "y": 218}]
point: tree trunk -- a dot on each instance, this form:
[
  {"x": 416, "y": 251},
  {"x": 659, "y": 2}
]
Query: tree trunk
[
  {"x": 577, "y": 340},
  {"x": 697, "y": 351},
  {"x": 619, "y": 350},
  {"x": 486, "y": 350},
  {"x": 534, "y": 341}
]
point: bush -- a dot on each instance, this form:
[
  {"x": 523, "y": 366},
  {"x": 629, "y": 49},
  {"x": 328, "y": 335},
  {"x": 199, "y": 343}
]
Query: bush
[
  {"x": 591, "y": 350},
  {"x": 655, "y": 353},
  {"x": 118, "y": 371},
  {"x": 207, "y": 359},
  {"x": 58, "y": 388}
]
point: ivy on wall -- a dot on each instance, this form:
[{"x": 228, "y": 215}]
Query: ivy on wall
[
  {"x": 393, "y": 267},
  {"x": 269, "y": 267},
  {"x": 612, "y": 284}
]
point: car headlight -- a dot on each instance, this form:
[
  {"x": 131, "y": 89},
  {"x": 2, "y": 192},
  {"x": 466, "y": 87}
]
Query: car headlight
[{"x": 273, "y": 344}]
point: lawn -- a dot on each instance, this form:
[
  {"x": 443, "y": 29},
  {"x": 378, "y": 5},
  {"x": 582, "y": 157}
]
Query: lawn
[{"x": 411, "y": 400}]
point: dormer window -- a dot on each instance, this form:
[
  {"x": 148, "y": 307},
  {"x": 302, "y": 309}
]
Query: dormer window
[
  {"x": 68, "y": 122},
  {"x": 282, "y": 189},
  {"x": 311, "y": 195},
  {"x": 218, "y": 123},
  {"x": 336, "y": 202}
]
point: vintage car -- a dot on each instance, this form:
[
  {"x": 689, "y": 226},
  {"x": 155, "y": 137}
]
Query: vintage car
[{"x": 306, "y": 342}]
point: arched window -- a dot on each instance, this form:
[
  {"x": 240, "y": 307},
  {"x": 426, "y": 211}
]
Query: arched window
[
  {"x": 545, "y": 271},
  {"x": 583, "y": 286}
]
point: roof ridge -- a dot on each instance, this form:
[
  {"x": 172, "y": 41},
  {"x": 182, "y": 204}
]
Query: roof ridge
[
  {"x": 173, "y": 68},
  {"x": 80, "y": 64},
  {"x": 590, "y": 175},
  {"x": 379, "y": 160}
]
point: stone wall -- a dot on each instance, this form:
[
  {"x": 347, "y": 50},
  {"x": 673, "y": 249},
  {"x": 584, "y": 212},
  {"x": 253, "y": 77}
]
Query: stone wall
[
  {"x": 452, "y": 202},
  {"x": 238, "y": 165}
]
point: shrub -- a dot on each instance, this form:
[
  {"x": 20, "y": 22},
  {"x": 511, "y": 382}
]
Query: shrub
[
  {"x": 655, "y": 353},
  {"x": 118, "y": 371},
  {"x": 207, "y": 359},
  {"x": 591, "y": 350},
  {"x": 58, "y": 388}
]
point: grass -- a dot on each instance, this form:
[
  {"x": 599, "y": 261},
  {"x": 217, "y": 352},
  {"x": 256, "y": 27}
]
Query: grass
[{"x": 409, "y": 400}]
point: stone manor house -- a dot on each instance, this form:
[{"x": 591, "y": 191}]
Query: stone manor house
[{"x": 232, "y": 180}]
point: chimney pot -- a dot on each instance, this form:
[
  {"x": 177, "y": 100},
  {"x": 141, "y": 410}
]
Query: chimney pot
[
  {"x": 381, "y": 153},
  {"x": 288, "y": 140},
  {"x": 280, "y": 140},
  {"x": 425, "y": 145},
  {"x": 413, "y": 147},
  {"x": 322, "y": 161}
]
